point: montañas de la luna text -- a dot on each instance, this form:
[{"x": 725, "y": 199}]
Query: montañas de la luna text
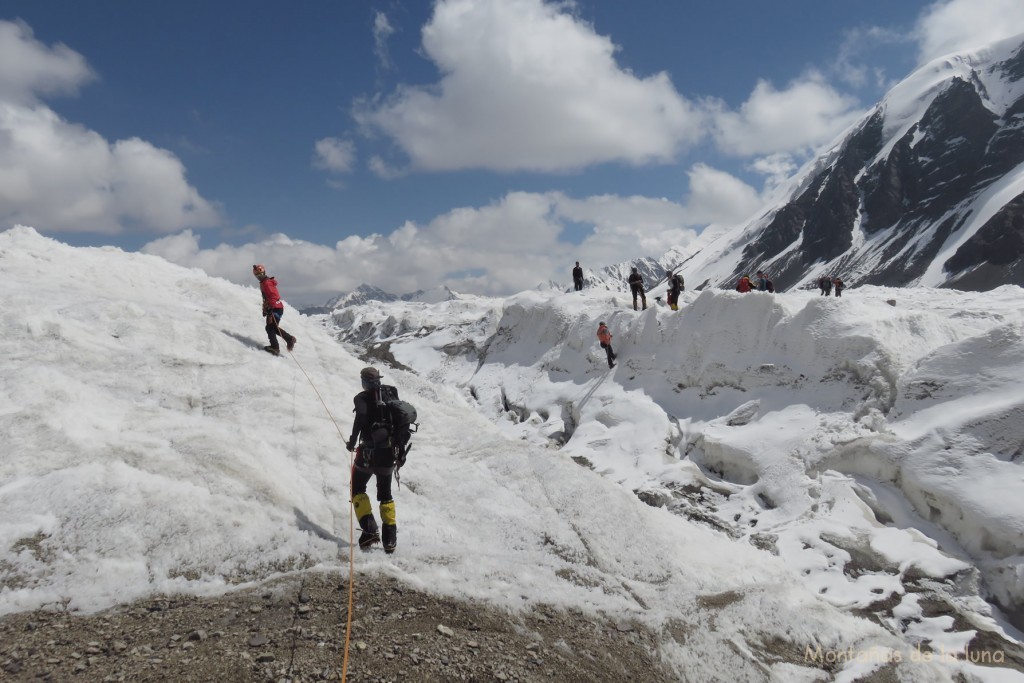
[{"x": 884, "y": 655}]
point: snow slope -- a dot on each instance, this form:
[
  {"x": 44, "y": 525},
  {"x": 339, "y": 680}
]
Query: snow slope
[
  {"x": 873, "y": 442},
  {"x": 152, "y": 446}
]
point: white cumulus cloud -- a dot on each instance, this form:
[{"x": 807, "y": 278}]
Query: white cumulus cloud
[
  {"x": 525, "y": 85},
  {"x": 511, "y": 244},
  {"x": 807, "y": 113},
  {"x": 334, "y": 155},
  {"x": 719, "y": 197},
  {"x": 954, "y": 25},
  {"x": 62, "y": 177},
  {"x": 29, "y": 69}
]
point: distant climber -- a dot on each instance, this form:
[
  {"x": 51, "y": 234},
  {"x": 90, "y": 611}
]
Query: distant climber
[
  {"x": 675, "y": 286},
  {"x": 838, "y": 285},
  {"x": 636, "y": 286},
  {"x": 605, "y": 337},
  {"x": 273, "y": 309},
  {"x": 744, "y": 284},
  {"x": 577, "y": 277},
  {"x": 764, "y": 283}
]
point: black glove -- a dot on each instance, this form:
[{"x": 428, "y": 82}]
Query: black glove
[{"x": 351, "y": 445}]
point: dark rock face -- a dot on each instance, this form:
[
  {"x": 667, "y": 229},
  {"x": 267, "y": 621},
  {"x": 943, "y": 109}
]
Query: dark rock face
[
  {"x": 924, "y": 180},
  {"x": 993, "y": 256},
  {"x": 890, "y": 188},
  {"x": 884, "y": 219}
]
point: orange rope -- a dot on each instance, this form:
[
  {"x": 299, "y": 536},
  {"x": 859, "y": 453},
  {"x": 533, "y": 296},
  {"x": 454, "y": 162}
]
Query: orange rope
[
  {"x": 351, "y": 526},
  {"x": 351, "y": 573}
]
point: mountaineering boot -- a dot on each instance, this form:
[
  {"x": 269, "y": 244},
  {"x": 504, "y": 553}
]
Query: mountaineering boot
[
  {"x": 370, "y": 534},
  {"x": 390, "y": 528},
  {"x": 364, "y": 513},
  {"x": 389, "y": 534},
  {"x": 272, "y": 350},
  {"x": 291, "y": 342}
]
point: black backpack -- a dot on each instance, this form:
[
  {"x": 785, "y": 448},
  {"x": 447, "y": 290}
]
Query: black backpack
[{"x": 398, "y": 417}]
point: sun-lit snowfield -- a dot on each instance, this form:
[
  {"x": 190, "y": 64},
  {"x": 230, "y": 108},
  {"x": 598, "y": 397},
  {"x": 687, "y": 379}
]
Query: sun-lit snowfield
[
  {"x": 150, "y": 445},
  {"x": 873, "y": 442}
]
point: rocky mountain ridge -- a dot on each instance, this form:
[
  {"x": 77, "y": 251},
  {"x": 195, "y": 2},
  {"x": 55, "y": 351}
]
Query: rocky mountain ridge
[{"x": 927, "y": 189}]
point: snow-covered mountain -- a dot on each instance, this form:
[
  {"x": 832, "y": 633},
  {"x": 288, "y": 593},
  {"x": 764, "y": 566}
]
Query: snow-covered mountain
[
  {"x": 365, "y": 293},
  {"x": 928, "y": 189}
]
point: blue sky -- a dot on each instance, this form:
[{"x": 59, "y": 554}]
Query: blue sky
[{"x": 482, "y": 144}]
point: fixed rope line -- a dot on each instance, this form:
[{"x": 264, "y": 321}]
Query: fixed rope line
[{"x": 351, "y": 526}]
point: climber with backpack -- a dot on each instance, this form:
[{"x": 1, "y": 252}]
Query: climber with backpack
[
  {"x": 380, "y": 438},
  {"x": 675, "y": 286}
]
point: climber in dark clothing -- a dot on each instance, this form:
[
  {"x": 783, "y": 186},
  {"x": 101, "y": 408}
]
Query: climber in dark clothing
[
  {"x": 636, "y": 286},
  {"x": 577, "y": 277},
  {"x": 675, "y": 287},
  {"x": 375, "y": 457}
]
